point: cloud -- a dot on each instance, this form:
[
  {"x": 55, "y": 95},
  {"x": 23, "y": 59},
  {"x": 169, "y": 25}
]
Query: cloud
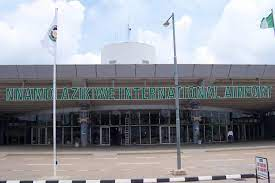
[
  {"x": 203, "y": 55},
  {"x": 163, "y": 42},
  {"x": 22, "y": 30},
  {"x": 87, "y": 58},
  {"x": 237, "y": 37},
  {"x": 184, "y": 23},
  {"x": 205, "y": 35}
]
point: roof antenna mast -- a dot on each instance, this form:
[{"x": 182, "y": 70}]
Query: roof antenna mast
[{"x": 128, "y": 29}]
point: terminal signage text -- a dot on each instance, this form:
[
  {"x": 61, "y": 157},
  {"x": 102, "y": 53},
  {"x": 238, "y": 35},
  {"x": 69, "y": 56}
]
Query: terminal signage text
[{"x": 139, "y": 93}]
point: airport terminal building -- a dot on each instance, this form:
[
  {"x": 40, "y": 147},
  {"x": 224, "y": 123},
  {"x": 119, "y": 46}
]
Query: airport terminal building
[{"x": 134, "y": 104}]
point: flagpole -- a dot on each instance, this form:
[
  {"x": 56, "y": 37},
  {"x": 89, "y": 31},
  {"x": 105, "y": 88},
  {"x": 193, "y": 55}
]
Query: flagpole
[{"x": 54, "y": 104}]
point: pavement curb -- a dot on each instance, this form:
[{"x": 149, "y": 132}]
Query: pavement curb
[
  {"x": 146, "y": 152},
  {"x": 47, "y": 154},
  {"x": 143, "y": 180},
  {"x": 131, "y": 152},
  {"x": 239, "y": 149}
]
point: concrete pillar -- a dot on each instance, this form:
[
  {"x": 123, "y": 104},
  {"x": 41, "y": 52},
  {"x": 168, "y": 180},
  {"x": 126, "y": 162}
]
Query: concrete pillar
[
  {"x": 195, "y": 118},
  {"x": 196, "y": 126},
  {"x": 196, "y": 131},
  {"x": 84, "y": 121},
  {"x": 84, "y": 134},
  {"x": 83, "y": 114}
]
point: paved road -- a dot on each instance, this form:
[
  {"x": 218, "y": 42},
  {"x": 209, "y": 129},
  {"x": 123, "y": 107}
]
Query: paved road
[{"x": 104, "y": 165}]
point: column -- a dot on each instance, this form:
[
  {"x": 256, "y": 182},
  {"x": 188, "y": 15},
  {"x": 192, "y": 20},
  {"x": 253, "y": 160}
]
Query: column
[
  {"x": 196, "y": 131},
  {"x": 196, "y": 126},
  {"x": 83, "y": 114},
  {"x": 84, "y": 120},
  {"x": 195, "y": 118}
]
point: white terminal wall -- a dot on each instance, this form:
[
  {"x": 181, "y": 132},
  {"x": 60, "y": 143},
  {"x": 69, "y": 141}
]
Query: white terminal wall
[{"x": 128, "y": 53}]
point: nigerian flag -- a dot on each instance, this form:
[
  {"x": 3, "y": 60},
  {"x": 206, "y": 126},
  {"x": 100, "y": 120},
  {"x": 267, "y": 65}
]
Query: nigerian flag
[{"x": 267, "y": 22}]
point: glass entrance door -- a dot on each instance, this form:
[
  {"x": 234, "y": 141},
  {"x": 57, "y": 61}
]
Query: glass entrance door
[
  {"x": 104, "y": 135},
  {"x": 164, "y": 134},
  {"x": 43, "y": 135},
  {"x": 39, "y": 135},
  {"x": 173, "y": 135},
  {"x": 236, "y": 132}
]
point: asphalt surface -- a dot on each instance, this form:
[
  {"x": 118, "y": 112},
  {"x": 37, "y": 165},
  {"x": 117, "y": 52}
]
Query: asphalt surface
[{"x": 23, "y": 163}]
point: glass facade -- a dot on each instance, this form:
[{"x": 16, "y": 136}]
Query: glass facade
[{"x": 138, "y": 127}]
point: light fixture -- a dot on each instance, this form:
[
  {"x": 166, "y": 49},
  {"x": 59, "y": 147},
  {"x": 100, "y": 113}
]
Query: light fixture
[{"x": 166, "y": 24}]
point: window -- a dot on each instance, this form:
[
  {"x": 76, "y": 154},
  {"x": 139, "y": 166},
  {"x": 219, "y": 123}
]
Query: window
[
  {"x": 59, "y": 135},
  {"x": 75, "y": 119},
  {"x": 216, "y": 132},
  {"x": 155, "y": 134},
  {"x": 135, "y": 134},
  {"x": 49, "y": 135},
  {"x": 144, "y": 117},
  {"x": 207, "y": 117},
  {"x": 105, "y": 119},
  {"x": 222, "y": 118},
  {"x": 115, "y": 117},
  {"x": 173, "y": 117},
  {"x": 112, "y": 62},
  {"x": 66, "y": 121},
  {"x": 164, "y": 116},
  {"x": 183, "y": 134},
  {"x": 185, "y": 117},
  {"x": 123, "y": 116},
  {"x": 208, "y": 133},
  {"x": 95, "y": 118},
  {"x": 59, "y": 119},
  {"x": 145, "y": 135},
  {"x": 154, "y": 117},
  {"x": 145, "y": 61},
  {"x": 135, "y": 118},
  {"x": 215, "y": 117},
  {"x": 43, "y": 119},
  {"x": 190, "y": 133},
  {"x": 95, "y": 136},
  {"x": 67, "y": 135},
  {"x": 76, "y": 134},
  {"x": 173, "y": 134}
]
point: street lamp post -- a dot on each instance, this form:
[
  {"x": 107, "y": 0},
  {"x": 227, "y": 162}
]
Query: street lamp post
[{"x": 166, "y": 24}]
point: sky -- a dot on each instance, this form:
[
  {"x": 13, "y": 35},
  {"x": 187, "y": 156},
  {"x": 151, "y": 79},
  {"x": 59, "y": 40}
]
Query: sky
[{"x": 207, "y": 31}]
